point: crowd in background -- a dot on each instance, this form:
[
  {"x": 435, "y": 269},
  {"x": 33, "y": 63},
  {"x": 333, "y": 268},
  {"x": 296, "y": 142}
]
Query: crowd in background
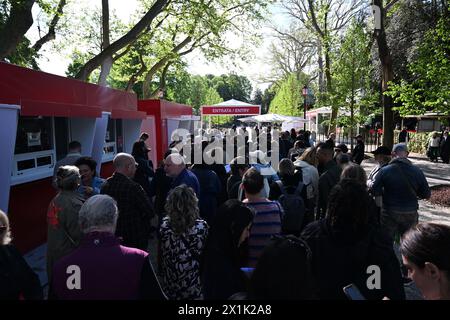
[{"x": 242, "y": 230}]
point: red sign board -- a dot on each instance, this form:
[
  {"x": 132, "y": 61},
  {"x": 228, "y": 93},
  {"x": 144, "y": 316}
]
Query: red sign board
[{"x": 230, "y": 110}]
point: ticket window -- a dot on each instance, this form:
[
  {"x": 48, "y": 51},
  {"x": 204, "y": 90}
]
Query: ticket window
[
  {"x": 113, "y": 139},
  {"x": 35, "y": 152}
]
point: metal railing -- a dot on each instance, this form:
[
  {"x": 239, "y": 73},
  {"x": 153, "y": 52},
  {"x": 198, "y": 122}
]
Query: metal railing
[{"x": 372, "y": 139}]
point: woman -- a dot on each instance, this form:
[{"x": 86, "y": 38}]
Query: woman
[
  {"x": 433, "y": 147},
  {"x": 225, "y": 251},
  {"x": 90, "y": 183},
  {"x": 144, "y": 169},
  {"x": 347, "y": 243},
  {"x": 182, "y": 241},
  {"x": 307, "y": 165},
  {"x": 17, "y": 280},
  {"x": 425, "y": 252},
  {"x": 283, "y": 272},
  {"x": 62, "y": 216}
]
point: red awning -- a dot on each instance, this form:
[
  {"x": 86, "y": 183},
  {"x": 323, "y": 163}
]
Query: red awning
[
  {"x": 127, "y": 114},
  {"x": 39, "y": 108}
]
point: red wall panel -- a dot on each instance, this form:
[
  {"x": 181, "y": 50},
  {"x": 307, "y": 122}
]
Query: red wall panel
[{"x": 27, "y": 212}]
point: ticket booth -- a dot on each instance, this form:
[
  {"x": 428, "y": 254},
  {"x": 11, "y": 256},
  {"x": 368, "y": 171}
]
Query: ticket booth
[
  {"x": 163, "y": 117},
  {"x": 40, "y": 114}
]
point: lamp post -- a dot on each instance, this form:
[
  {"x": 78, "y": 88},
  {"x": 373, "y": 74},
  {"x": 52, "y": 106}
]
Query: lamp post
[{"x": 305, "y": 94}]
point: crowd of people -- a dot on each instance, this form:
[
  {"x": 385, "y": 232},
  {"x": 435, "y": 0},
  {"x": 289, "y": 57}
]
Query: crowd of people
[{"x": 242, "y": 230}]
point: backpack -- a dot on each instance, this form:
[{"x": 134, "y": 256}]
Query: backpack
[{"x": 294, "y": 209}]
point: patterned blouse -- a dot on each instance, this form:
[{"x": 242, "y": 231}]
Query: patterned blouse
[{"x": 180, "y": 263}]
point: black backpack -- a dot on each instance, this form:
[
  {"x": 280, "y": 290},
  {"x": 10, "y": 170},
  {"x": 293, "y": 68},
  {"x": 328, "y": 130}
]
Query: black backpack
[{"x": 294, "y": 209}]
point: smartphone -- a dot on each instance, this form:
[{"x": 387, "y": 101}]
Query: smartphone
[
  {"x": 227, "y": 168},
  {"x": 352, "y": 292}
]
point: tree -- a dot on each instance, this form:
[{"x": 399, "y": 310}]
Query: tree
[
  {"x": 258, "y": 97},
  {"x": 144, "y": 23},
  {"x": 352, "y": 74},
  {"x": 18, "y": 20},
  {"x": 429, "y": 88},
  {"x": 325, "y": 18},
  {"x": 288, "y": 99},
  {"x": 233, "y": 87}
]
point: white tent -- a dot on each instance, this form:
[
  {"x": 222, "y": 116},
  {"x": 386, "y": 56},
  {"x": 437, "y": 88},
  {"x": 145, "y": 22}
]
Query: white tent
[{"x": 269, "y": 117}]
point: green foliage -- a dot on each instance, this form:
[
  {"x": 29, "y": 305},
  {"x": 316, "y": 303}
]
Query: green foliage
[
  {"x": 233, "y": 87},
  {"x": 418, "y": 141},
  {"x": 429, "y": 88},
  {"x": 288, "y": 99},
  {"x": 352, "y": 76}
]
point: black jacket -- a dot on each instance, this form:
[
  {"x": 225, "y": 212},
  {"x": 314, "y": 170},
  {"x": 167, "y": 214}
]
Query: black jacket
[
  {"x": 341, "y": 257},
  {"x": 358, "y": 153},
  {"x": 17, "y": 280}
]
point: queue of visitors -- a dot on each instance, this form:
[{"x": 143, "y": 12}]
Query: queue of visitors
[{"x": 303, "y": 230}]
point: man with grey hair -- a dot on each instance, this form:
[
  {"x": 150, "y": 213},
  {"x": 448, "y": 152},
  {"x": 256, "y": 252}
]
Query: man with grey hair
[
  {"x": 136, "y": 211},
  {"x": 175, "y": 167},
  {"x": 101, "y": 261},
  {"x": 400, "y": 184}
]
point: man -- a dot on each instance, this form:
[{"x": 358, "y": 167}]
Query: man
[
  {"x": 175, "y": 167},
  {"x": 403, "y": 136},
  {"x": 400, "y": 183},
  {"x": 238, "y": 166},
  {"x": 445, "y": 147},
  {"x": 329, "y": 177},
  {"x": 69, "y": 160},
  {"x": 382, "y": 156},
  {"x": 108, "y": 270},
  {"x": 358, "y": 151},
  {"x": 135, "y": 208}
]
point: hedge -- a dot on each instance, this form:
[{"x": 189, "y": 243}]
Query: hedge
[{"x": 417, "y": 141}]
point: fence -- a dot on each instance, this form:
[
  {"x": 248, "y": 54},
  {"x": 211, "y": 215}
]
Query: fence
[{"x": 372, "y": 139}]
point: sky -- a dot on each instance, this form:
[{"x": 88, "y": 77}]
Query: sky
[{"x": 57, "y": 63}]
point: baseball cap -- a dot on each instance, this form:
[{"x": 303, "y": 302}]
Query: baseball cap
[
  {"x": 382, "y": 150},
  {"x": 399, "y": 147},
  {"x": 342, "y": 147}
]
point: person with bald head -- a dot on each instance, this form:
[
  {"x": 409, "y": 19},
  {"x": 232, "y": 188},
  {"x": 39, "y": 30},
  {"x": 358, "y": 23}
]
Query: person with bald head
[
  {"x": 135, "y": 207},
  {"x": 175, "y": 168}
]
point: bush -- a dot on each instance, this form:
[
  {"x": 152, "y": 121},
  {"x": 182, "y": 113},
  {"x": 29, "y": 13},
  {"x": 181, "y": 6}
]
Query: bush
[{"x": 418, "y": 142}]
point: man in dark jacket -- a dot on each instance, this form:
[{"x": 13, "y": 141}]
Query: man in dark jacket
[
  {"x": 135, "y": 208},
  {"x": 445, "y": 147},
  {"x": 400, "y": 184},
  {"x": 175, "y": 167},
  {"x": 358, "y": 151},
  {"x": 329, "y": 177}
]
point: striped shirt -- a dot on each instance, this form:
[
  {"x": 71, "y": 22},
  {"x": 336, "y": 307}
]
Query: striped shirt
[{"x": 266, "y": 223}]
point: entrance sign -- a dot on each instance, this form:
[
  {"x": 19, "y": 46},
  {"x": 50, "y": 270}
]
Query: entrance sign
[{"x": 231, "y": 110}]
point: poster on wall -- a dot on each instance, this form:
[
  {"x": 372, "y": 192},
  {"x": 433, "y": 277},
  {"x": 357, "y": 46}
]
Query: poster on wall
[{"x": 34, "y": 138}]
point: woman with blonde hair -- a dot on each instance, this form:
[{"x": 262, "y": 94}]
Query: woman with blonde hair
[
  {"x": 183, "y": 235},
  {"x": 17, "y": 280},
  {"x": 307, "y": 165}
]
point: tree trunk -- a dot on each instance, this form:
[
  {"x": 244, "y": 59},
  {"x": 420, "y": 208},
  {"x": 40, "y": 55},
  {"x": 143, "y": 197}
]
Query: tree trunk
[
  {"x": 128, "y": 38},
  {"x": 107, "y": 63},
  {"x": 320, "y": 63},
  {"x": 334, "y": 109},
  {"x": 18, "y": 23},
  {"x": 147, "y": 93},
  {"x": 387, "y": 75},
  {"x": 51, "y": 34}
]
